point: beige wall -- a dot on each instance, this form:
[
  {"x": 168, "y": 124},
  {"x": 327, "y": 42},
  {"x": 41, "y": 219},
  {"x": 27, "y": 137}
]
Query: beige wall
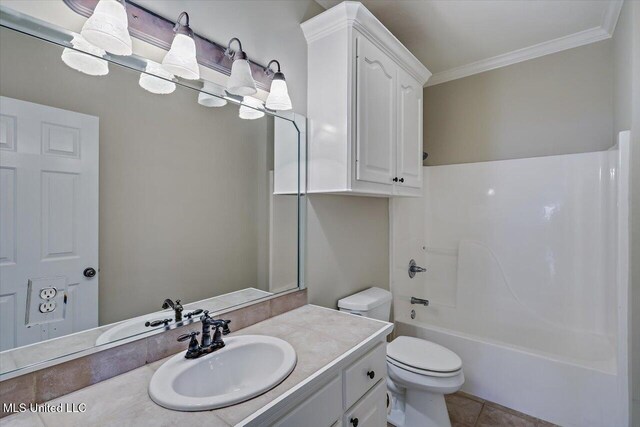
[
  {"x": 183, "y": 188},
  {"x": 348, "y": 246},
  {"x": 556, "y": 104},
  {"x": 626, "y": 55}
]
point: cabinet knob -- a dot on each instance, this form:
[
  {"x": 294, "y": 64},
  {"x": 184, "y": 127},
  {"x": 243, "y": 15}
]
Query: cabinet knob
[
  {"x": 401, "y": 179},
  {"x": 371, "y": 374},
  {"x": 354, "y": 421},
  {"x": 395, "y": 179}
]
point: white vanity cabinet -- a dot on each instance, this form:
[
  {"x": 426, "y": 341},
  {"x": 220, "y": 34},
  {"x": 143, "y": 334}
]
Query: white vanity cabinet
[
  {"x": 350, "y": 393},
  {"x": 364, "y": 106}
]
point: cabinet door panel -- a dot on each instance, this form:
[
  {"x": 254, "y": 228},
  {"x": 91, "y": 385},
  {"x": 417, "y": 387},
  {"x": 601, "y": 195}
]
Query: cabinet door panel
[
  {"x": 376, "y": 114},
  {"x": 371, "y": 410},
  {"x": 321, "y": 409},
  {"x": 364, "y": 374},
  {"x": 409, "y": 154}
]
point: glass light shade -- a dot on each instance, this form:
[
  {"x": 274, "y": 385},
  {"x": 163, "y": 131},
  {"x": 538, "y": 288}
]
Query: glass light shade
[
  {"x": 158, "y": 85},
  {"x": 278, "y": 98},
  {"x": 206, "y": 98},
  {"x": 108, "y": 28},
  {"x": 81, "y": 61},
  {"x": 241, "y": 81},
  {"x": 251, "y": 113},
  {"x": 181, "y": 58}
]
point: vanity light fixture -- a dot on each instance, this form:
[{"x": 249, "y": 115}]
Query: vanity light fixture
[
  {"x": 181, "y": 58},
  {"x": 212, "y": 95},
  {"x": 241, "y": 81},
  {"x": 87, "y": 64},
  {"x": 155, "y": 79},
  {"x": 278, "y": 98},
  {"x": 108, "y": 27},
  {"x": 251, "y": 108}
]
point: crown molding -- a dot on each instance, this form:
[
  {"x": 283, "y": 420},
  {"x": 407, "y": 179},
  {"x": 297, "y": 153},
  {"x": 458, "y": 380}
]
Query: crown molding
[
  {"x": 592, "y": 35},
  {"x": 611, "y": 16},
  {"x": 351, "y": 14}
]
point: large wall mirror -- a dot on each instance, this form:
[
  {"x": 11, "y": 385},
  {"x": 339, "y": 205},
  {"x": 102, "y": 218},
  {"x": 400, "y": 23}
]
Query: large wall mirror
[{"x": 116, "y": 202}]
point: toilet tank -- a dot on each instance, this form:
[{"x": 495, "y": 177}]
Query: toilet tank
[{"x": 373, "y": 302}]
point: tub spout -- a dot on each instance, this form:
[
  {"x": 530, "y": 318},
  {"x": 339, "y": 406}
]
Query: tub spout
[{"x": 415, "y": 300}]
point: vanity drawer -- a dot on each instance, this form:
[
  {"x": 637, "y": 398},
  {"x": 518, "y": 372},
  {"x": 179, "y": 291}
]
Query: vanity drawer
[
  {"x": 321, "y": 409},
  {"x": 357, "y": 377},
  {"x": 371, "y": 411}
]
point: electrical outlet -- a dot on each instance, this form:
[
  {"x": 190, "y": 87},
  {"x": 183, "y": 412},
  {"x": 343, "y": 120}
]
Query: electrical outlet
[
  {"x": 47, "y": 307},
  {"x": 48, "y": 293}
]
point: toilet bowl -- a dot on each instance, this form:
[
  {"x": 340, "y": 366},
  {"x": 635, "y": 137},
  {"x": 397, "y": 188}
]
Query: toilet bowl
[{"x": 420, "y": 372}]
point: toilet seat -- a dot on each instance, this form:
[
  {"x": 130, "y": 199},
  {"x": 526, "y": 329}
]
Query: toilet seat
[
  {"x": 423, "y": 372},
  {"x": 423, "y": 357}
]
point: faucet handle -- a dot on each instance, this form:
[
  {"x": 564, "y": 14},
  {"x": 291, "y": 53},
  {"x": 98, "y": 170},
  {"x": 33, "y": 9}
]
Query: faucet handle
[
  {"x": 194, "y": 347},
  {"x": 193, "y": 313},
  {"x": 185, "y": 337},
  {"x": 154, "y": 323},
  {"x": 225, "y": 327}
]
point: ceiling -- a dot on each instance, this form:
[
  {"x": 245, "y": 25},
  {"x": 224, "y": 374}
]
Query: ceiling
[{"x": 458, "y": 38}]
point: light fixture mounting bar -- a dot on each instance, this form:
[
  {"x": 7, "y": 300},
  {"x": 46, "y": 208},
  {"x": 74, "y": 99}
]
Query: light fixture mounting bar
[{"x": 158, "y": 31}]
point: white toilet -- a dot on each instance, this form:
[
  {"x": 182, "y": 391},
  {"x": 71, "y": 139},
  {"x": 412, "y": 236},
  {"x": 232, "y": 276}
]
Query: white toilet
[{"x": 420, "y": 372}]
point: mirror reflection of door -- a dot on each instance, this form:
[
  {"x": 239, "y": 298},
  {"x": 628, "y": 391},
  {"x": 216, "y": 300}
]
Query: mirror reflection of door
[
  {"x": 183, "y": 198},
  {"x": 48, "y": 222}
]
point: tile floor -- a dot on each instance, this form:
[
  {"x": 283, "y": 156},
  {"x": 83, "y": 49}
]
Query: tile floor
[{"x": 466, "y": 410}]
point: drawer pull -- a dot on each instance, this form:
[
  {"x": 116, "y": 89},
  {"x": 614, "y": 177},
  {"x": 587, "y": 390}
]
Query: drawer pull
[
  {"x": 371, "y": 374},
  {"x": 354, "y": 421}
]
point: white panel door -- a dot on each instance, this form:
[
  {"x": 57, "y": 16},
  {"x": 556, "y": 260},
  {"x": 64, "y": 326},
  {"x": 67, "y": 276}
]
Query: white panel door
[
  {"x": 409, "y": 148},
  {"x": 48, "y": 221},
  {"x": 375, "y": 113}
]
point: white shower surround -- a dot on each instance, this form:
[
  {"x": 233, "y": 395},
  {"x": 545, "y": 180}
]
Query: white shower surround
[{"x": 527, "y": 278}]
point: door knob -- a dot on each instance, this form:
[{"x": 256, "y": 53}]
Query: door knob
[
  {"x": 395, "y": 179},
  {"x": 89, "y": 272},
  {"x": 401, "y": 179}
]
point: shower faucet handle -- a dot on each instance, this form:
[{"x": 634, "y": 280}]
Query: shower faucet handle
[{"x": 415, "y": 268}]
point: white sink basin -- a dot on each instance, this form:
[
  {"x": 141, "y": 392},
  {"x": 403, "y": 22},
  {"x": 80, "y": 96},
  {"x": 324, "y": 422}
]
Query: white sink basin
[
  {"x": 247, "y": 366},
  {"x": 135, "y": 326}
]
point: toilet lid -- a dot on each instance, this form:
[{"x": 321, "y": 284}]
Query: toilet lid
[{"x": 423, "y": 354}]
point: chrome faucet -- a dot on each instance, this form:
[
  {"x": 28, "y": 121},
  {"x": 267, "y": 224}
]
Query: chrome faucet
[
  {"x": 207, "y": 344},
  {"x": 422, "y": 301},
  {"x": 176, "y": 306}
]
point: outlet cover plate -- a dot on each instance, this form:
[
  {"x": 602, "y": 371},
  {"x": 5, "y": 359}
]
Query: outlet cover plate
[{"x": 33, "y": 315}]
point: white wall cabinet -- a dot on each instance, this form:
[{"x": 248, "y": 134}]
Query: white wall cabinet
[{"x": 364, "y": 106}]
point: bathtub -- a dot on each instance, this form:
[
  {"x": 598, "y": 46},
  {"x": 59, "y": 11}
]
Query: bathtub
[
  {"x": 527, "y": 264},
  {"x": 558, "y": 391}
]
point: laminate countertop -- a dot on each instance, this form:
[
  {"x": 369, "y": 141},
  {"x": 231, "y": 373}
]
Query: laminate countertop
[{"x": 321, "y": 338}]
